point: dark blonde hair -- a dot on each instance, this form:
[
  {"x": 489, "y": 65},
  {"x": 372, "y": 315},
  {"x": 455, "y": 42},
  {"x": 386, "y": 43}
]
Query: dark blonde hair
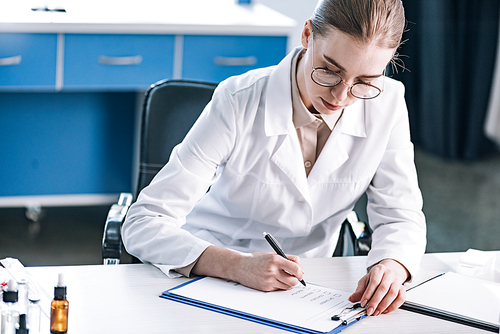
[{"x": 368, "y": 21}]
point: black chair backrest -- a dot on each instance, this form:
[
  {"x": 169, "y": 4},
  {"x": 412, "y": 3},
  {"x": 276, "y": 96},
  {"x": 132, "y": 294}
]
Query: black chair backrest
[{"x": 170, "y": 109}]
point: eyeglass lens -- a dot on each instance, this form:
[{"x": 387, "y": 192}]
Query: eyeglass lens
[{"x": 327, "y": 78}]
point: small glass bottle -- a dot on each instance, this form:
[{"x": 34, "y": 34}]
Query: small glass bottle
[
  {"x": 10, "y": 312},
  {"x": 22, "y": 292},
  {"x": 59, "y": 309},
  {"x": 21, "y": 327},
  {"x": 34, "y": 313}
]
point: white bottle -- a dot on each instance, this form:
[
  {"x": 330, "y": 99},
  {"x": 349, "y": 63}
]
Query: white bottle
[
  {"x": 22, "y": 294},
  {"x": 34, "y": 314},
  {"x": 10, "y": 311}
]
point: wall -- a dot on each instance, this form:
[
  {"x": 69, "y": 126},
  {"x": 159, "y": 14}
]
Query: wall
[{"x": 299, "y": 10}]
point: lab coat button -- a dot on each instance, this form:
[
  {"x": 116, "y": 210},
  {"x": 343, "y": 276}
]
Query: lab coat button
[{"x": 307, "y": 164}]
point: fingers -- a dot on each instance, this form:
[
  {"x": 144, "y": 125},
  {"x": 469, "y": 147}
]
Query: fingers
[
  {"x": 388, "y": 294},
  {"x": 289, "y": 271},
  {"x": 397, "y": 302},
  {"x": 284, "y": 282},
  {"x": 381, "y": 290},
  {"x": 293, "y": 267},
  {"x": 294, "y": 258},
  {"x": 356, "y": 296},
  {"x": 375, "y": 277},
  {"x": 268, "y": 271}
]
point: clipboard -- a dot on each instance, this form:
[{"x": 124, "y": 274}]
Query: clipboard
[
  {"x": 462, "y": 299},
  {"x": 233, "y": 299}
]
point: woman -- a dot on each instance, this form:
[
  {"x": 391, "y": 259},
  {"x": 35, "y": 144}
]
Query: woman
[{"x": 289, "y": 150}]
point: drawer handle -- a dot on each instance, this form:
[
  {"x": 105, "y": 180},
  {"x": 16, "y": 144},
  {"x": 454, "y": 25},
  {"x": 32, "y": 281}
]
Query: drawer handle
[
  {"x": 16, "y": 60},
  {"x": 133, "y": 60},
  {"x": 235, "y": 61}
]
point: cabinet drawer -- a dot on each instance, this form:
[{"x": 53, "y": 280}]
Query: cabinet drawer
[
  {"x": 117, "y": 61},
  {"x": 214, "y": 58},
  {"x": 28, "y": 60}
]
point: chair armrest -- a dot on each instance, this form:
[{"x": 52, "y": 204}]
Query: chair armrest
[
  {"x": 112, "y": 239},
  {"x": 355, "y": 237},
  {"x": 361, "y": 234}
]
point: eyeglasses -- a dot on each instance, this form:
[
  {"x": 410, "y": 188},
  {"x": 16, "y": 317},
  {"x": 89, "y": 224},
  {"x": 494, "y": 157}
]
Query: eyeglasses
[{"x": 360, "y": 90}]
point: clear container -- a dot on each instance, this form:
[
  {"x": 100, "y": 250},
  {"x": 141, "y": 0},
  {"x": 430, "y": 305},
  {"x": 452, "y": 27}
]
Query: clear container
[
  {"x": 34, "y": 314},
  {"x": 10, "y": 318},
  {"x": 10, "y": 310},
  {"x": 22, "y": 290}
]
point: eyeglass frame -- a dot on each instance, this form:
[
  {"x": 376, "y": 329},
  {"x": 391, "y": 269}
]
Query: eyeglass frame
[{"x": 380, "y": 90}]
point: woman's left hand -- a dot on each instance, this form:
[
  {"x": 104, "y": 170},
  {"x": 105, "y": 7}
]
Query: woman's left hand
[{"x": 382, "y": 290}]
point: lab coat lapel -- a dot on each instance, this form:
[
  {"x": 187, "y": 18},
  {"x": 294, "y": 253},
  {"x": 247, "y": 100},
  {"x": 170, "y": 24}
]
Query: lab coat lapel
[
  {"x": 334, "y": 153},
  {"x": 278, "y": 106},
  {"x": 288, "y": 157},
  {"x": 279, "y": 122}
]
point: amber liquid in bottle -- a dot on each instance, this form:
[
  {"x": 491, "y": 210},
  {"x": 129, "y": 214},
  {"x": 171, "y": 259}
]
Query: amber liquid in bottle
[
  {"x": 59, "y": 316},
  {"x": 59, "y": 309}
]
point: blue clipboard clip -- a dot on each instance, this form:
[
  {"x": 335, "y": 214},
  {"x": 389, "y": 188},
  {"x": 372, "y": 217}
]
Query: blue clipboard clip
[{"x": 347, "y": 318}]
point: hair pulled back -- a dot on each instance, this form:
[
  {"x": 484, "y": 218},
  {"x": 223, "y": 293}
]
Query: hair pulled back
[{"x": 369, "y": 21}]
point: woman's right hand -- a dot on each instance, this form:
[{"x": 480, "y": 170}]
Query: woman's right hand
[
  {"x": 265, "y": 271},
  {"x": 269, "y": 271}
]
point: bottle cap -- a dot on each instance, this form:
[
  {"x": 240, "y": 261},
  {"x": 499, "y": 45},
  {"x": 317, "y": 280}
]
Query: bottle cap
[
  {"x": 33, "y": 297},
  {"x": 60, "y": 279},
  {"x": 10, "y": 295},
  {"x": 60, "y": 289}
]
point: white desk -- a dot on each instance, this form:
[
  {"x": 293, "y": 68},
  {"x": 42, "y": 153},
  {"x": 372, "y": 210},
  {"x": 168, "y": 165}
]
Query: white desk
[{"x": 124, "y": 299}]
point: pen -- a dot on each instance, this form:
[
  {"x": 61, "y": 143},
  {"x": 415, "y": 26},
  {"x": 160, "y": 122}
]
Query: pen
[
  {"x": 277, "y": 248},
  {"x": 47, "y": 9}
]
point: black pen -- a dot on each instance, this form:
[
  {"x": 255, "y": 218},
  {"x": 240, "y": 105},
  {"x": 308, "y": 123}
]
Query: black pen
[{"x": 277, "y": 248}]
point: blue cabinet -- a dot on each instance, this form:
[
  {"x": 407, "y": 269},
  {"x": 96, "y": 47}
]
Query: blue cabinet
[
  {"x": 65, "y": 142},
  {"x": 68, "y": 101},
  {"x": 124, "y": 62},
  {"x": 216, "y": 58},
  {"x": 27, "y": 61}
]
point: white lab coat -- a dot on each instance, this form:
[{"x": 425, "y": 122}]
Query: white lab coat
[{"x": 245, "y": 146}]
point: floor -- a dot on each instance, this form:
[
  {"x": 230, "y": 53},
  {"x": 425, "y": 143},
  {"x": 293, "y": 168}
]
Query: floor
[{"x": 461, "y": 203}]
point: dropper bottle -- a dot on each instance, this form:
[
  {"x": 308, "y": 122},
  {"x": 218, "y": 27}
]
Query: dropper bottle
[
  {"x": 59, "y": 308},
  {"x": 21, "y": 328},
  {"x": 10, "y": 311}
]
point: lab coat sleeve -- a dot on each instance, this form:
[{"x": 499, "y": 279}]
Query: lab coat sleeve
[
  {"x": 395, "y": 201},
  {"x": 152, "y": 229}
]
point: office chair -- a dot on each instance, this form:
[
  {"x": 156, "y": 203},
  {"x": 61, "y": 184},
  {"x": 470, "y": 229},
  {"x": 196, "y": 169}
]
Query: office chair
[
  {"x": 355, "y": 237},
  {"x": 170, "y": 109}
]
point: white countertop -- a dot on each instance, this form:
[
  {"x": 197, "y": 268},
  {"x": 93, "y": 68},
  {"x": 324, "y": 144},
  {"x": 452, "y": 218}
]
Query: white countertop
[
  {"x": 125, "y": 299},
  {"x": 143, "y": 17}
]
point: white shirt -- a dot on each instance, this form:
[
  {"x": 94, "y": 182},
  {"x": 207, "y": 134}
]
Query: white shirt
[
  {"x": 312, "y": 130},
  {"x": 245, "y": 146}
]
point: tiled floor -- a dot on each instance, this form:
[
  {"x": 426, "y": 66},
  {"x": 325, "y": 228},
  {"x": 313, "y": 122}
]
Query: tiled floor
[{"x": 461, "y": 203}]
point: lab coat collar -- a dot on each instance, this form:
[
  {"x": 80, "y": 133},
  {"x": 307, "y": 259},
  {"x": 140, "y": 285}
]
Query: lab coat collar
[
  {"x": 334, "y": 153},
  {"x": 278, "y": 109},
  {"x": 352, "y": 121},
  {"x": 278, "y": 121}
]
